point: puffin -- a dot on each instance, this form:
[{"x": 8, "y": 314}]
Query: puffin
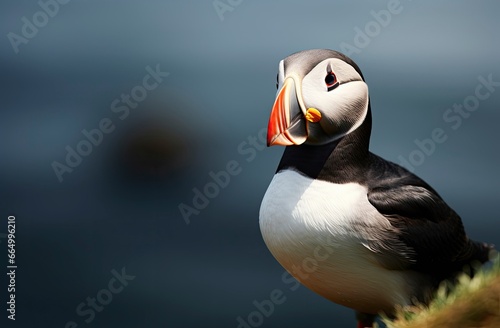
[{"x": 361, "y": 231}]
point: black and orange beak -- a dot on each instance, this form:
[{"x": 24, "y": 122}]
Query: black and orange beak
[{"x": 287, "y": 124}]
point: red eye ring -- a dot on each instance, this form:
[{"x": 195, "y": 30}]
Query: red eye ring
[{"x": 331, "y": 81}]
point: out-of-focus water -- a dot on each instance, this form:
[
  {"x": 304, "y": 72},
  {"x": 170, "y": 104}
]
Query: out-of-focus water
[{"x": 119, "y": 207}]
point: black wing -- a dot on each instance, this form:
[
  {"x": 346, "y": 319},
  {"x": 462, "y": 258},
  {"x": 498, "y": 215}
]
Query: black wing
[{"x": 423, "y": 222}]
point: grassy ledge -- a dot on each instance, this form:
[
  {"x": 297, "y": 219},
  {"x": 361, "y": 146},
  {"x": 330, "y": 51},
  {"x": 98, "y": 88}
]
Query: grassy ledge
[{"x": 471, "y": 303}]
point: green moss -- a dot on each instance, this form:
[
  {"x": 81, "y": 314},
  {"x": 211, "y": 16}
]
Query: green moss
[{"x": 472, "y": 302}]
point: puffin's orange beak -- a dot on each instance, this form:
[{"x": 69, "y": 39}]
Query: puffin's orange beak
[{"x": 287, "y": 124}]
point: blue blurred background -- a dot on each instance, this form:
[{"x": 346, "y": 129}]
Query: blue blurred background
[{"x": 120, "y": 206}]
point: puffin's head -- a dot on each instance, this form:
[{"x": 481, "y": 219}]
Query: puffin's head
[{"x": 321, "y": 97}]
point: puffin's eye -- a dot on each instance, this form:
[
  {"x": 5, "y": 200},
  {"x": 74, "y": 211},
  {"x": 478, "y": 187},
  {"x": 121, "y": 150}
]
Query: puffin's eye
[
  {"x": 331, "y": 81},
  {"x": 277, "y": 80}
]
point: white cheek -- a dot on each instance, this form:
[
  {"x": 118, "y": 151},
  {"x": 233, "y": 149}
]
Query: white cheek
[
  {"x": 343, "y": 109},
  {"x": 347, "y": 99},
  {"x": 356, "y": 102}
]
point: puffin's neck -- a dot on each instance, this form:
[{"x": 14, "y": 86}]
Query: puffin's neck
[{"x": 339, "y": 161}]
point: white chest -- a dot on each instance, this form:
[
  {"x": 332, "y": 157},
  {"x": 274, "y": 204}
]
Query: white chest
[
  {"x": 298, "y": 205},
  {"x": 313, "y": 228}
]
